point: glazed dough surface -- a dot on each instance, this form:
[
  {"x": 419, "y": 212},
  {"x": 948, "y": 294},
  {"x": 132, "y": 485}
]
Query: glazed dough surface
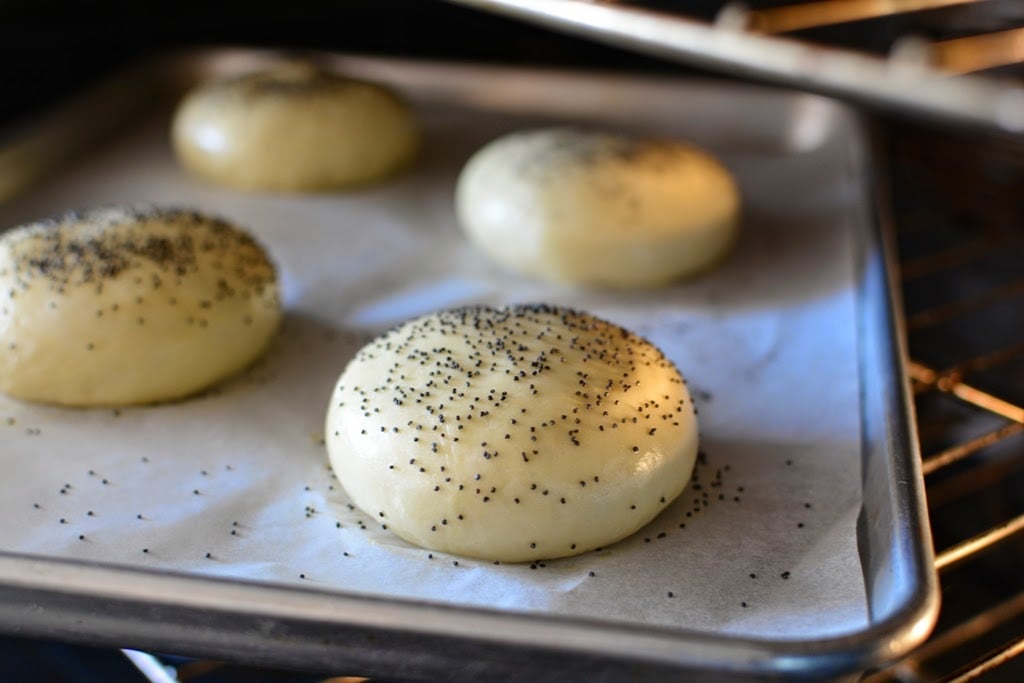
[
  {"x": 293, "y": 128},
  {"x": 511, "y": 434},
  {"x": 117, "y": 306},
  {"x": 590, "y": 208}
]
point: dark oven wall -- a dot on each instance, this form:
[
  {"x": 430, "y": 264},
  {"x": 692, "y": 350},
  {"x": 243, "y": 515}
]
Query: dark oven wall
[{"x": 49, "y": 47}]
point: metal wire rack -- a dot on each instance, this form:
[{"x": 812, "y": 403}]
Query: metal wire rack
[{"x": 956, "y": 209}]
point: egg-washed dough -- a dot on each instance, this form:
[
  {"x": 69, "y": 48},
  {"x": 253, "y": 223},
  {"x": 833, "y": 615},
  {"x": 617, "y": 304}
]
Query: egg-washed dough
[
  {"x": 512, "y": 433},
  {"x": 125, "y": 305},
  {"x": 591, "y": 208},
  {"x": 293, "y": 128}
]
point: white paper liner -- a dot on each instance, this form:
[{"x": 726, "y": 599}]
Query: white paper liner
[{"x": 235, "y": 482}]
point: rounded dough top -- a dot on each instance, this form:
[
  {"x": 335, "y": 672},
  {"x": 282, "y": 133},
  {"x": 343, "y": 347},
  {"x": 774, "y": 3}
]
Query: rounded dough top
[
  {"x": 594, "y": 208},
  {"x": 513, "y": 433},
  {"x": 293, "y": 127},
  {"x": 123, "y": 305}
]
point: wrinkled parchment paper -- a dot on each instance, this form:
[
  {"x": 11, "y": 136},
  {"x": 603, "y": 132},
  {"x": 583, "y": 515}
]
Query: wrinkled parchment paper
[{"x": 235, "y": 482}]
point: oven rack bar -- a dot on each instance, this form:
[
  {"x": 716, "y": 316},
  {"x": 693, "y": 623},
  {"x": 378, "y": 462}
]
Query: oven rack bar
[
  {"x": 914, "y": 78},
  {"x": 947, "y": 259},
  {"x": 990, "y": 662},
  {"x": 818, "y": 13},
  {"x": 977, "y": 544},
  {"x": 960, "y": 634},
  {"x": 952, "y": 309},
  {"x": 962, "y": 450},
  {"x": 927, "y": 378}
]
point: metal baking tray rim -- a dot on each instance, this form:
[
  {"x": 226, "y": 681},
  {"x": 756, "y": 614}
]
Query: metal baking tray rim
[{"x": 310, "y": 628}]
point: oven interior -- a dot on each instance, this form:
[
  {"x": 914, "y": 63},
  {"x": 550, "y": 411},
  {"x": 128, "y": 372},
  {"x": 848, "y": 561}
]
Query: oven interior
[{"x": 950, "y": 184}]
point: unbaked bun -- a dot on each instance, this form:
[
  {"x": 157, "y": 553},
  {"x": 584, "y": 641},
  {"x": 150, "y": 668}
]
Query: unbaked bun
[
  {"x": 118, "y": 306},
  {"x": 590, "y": 208},
  {"x": 293, "y": 128},
  {"x": 512, "y": 433}
]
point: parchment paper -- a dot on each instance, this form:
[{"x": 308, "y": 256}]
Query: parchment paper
[{"x": 235, "y": 482}]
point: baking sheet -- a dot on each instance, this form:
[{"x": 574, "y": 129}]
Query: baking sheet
[{"x": 235, "y": 483}]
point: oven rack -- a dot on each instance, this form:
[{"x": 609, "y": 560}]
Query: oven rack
[
  {"x": 949, "y": 60},
  {"x": 962, "y": 279}
]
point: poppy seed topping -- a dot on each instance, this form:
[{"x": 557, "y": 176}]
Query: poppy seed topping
[{"x": 496, "y": 482}]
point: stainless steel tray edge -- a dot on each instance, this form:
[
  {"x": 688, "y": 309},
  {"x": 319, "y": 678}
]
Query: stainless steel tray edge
[
  {"x": 373, "y": 636},
  {"x": 888, "y": 424}
]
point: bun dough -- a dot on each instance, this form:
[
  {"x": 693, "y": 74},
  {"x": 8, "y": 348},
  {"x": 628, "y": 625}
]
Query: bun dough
[
  {"x": 118, "y": 306},
  {"x": 590, "y": 208},
  {"x": 293, "y": 128},
  {"x": 511, "y": 434}
]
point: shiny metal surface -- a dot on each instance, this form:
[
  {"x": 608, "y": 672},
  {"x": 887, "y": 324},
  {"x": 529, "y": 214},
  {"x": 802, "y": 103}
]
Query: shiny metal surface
[
  {"x": 912, "y": 79},
  {"x": 271, "y": 625}
]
